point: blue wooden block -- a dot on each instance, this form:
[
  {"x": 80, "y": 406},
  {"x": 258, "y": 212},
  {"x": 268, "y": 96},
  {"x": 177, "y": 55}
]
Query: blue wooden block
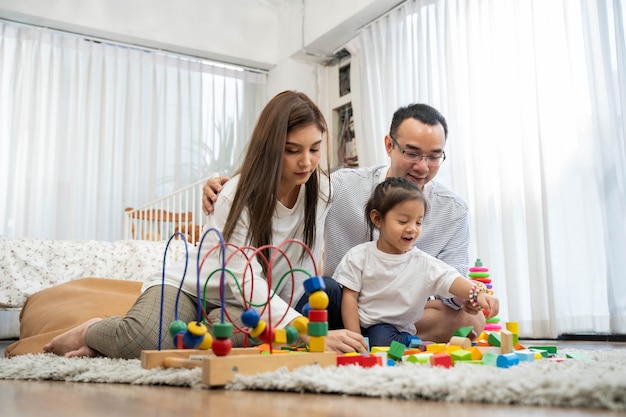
[{"x": 507, "y": 360}]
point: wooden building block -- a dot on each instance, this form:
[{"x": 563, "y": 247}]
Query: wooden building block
[
  {"x": 441, "y": 359},
  {"x": 461, "y": 355},
  {"x": 463, "y": 342},
  {"x": 506, "y": 341},
  {"x": 463, "y": 331},
  {"x": 477, "y": 355},
  {"x": 396, "y": 350},
  {"x": 436, "y": 347},
  {"x": 494, "y": 339}
]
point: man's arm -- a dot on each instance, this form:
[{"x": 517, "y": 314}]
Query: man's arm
[
  {"x": 210, "y": 191},
  {"x": 456, "y": 254}
]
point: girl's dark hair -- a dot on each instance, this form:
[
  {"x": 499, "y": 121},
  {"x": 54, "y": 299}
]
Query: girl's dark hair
[
  {"x": 390, "y": 193},
  {"x": 262, "y": 166}
]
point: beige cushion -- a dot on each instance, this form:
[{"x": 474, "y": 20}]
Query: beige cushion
[{"x": 55, "y": 310}]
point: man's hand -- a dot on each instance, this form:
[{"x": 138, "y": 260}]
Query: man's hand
[{"x": 210, "y": 191}]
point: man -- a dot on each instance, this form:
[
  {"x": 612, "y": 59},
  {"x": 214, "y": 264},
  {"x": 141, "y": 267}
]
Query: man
[{"x": 415, "y": 145}]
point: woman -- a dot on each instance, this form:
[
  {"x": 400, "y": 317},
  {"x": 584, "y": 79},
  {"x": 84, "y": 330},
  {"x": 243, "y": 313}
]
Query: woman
[{"x": 279, "y": 193}]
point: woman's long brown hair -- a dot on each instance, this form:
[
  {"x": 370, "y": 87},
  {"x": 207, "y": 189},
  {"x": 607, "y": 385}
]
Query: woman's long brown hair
[{"x": 262, "y": 166}]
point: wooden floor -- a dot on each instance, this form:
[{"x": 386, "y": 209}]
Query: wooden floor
[{"x": 64, "y": 399}]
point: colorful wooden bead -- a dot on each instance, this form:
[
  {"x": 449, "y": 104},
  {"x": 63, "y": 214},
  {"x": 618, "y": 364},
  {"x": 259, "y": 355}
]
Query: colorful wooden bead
[
  {"x": 318, "y": 300},
  {"x": 222, "y": 330},
  {"x": 301, "y": 324},
  {"x": 177, "y": 326},
  {"x": 222, "y": 347},
  {"x": 196, "y": 328},
  {"x": 318, "y": 315},
  {"x": 314, "y": 284},
  {"x": 207, "y": 342},
  {"x": 250, "y": 318},
  {"x": 267, "y": 336},
  {"x": 280, "y": 336},
  {"x": 317, "y": 328},
  {"x": 191, "y": 341},
  {"x": 306, "y": 309},
  {"x": 258, "y": 330},
  {"x": 292, "y": 334}
]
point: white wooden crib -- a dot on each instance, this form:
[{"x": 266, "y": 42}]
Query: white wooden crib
[{"x": 158, "y": 220}]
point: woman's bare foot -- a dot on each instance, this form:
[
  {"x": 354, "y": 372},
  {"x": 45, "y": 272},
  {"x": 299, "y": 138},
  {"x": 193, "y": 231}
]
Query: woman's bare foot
[{"x": 72, "y": 343}]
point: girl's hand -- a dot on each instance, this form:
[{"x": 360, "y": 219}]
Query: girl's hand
[{"x": 489, "y": 303}]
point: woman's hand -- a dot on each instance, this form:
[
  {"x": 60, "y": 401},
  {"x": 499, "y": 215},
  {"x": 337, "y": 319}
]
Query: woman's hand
[{"x": 345, "y": 341}]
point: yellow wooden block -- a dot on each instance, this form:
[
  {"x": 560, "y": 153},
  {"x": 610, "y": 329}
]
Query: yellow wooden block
[
  {"x": 512, "y": 326},
  {"x": 476, "y": 353},
  {"x": 436, "y": 347},
  {"x": 377, "y": 349},
  {"x": 452, "y": 348},
  {"x": 317, "y": 343}
]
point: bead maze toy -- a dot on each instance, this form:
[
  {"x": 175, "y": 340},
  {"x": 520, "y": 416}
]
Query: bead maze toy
[{"x": 220, "y": 362}]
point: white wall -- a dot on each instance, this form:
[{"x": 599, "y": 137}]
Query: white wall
[
  {"x": 270, "y": 35},
  {"x": 237, "y": 31}
]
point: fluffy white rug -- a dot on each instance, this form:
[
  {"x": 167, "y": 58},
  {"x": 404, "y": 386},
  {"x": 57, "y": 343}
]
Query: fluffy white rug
[
  {"x": 100, "y": 370},
  {"x": 600, "y": 383}
]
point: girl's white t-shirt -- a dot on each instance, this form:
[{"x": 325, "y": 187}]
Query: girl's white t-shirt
[{"x": 393, "y": 289}]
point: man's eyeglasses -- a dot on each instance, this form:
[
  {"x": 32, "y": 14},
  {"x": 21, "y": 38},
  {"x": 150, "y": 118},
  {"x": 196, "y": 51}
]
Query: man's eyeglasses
[{"x": 431, "y": 160}]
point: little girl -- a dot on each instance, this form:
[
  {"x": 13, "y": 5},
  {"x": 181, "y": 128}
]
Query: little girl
[{"x": 386, "y": 282}]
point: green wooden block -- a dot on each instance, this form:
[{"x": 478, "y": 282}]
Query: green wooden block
[
  {"x": 463, "y": 331},
  {"x": 461, "y": 355},
  {"x": 421, "y": 358},
  {"x": 549, "y": 349},
  {"x": 396, "y": 350},
  {"x": 412, "y": 359},
  {"x": 490, "y": 359},
  {"x": 494, "y": 339},
  {"x": 579, "y": 356}
]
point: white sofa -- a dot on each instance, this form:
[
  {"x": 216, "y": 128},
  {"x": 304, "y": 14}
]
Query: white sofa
[{"x": 31, "y": 265}]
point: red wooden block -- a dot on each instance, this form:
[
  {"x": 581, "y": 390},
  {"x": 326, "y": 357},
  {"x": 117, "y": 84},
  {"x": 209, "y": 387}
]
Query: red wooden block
[{"x": 441, "y": 359}]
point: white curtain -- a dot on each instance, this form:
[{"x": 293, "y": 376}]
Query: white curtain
[
  {"x": 534, "y": 92},
  {"x": 88, "y": 128}
]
